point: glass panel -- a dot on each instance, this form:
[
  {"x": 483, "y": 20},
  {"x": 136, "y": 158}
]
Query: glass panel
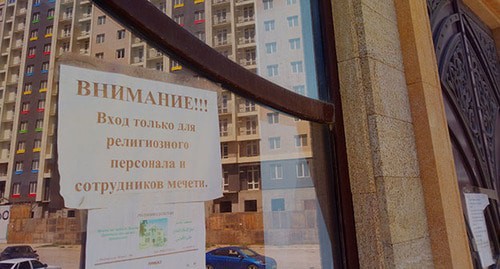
[{"x": 275, "y": 168}]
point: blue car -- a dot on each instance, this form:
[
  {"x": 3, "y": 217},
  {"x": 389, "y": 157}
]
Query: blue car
[{"x": 238, "y": 258}]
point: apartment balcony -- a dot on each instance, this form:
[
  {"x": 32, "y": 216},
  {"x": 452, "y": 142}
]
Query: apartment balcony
[
  {"x": 53, "y": 110},
  {"x": 221, "y": 42},
  {"x": 224, "y": 110},
  {"x": 47, "y": 174},
  {"x": 83, "y": 35},
  {"x": 154, "y": 54},
  {"x": 85, "y": 17},
  {"x": 16, "y": 61},
  {"x": 85, "y": 51},
  {"x": 248, "y": 63},
  {"x": 245, "y": 134},
  {"x": 4, "y": 155},
  {"x": 20, "y": 27},
  {"x": 137, "y": 42},
  {"x": 22, "y": 11},
  {"x": 10, "y": 97},
  {"x": 245, "y": 19},
  {"x": 66, "y": 17},
  {"x": 229, "y": 158},
  {"x": 246, "y": 41},
  {"x": 220, "y": 2},
  {"x": 6, "y": 136},
  {"x": 219, "y": 20},
  {"x": 13, "y": 80},
  {"x": 9, "y": 116},
  {"x": 243, "y": 2},
  {"x": 137, "y": 60},
  {"x": 65, "y": 35},
  {"x": 66, "y": 1}
]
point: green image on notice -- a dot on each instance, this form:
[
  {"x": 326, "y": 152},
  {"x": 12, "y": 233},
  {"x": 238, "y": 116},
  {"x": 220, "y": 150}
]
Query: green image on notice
[{"x": 153, "y": 233}]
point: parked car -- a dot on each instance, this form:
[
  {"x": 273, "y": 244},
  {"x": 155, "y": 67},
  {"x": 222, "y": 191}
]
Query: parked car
[
  {"x": 25, "y": 263},
  {"x": 19, "y": 251},
  {"x": 237, "y": 258}
]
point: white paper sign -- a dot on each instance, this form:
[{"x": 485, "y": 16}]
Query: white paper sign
[
  {"x": 4, "y": 222},
  {"x": 156, "y": 236},
  {"x": 121, "y": 137},
  {"x": 476, "y": 203}
]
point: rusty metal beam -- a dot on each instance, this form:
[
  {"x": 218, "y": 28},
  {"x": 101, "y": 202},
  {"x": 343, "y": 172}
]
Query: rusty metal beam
[{"x": 146, "y": 21}]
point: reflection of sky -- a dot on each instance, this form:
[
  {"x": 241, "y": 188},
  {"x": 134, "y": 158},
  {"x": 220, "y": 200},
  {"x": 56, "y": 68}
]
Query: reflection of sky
[{"x": 307, "y": 36}]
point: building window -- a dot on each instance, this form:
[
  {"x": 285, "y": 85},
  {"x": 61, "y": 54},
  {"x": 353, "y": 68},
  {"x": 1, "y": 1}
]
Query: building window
[
  {"x": 19, "y": 166},
  {"x": 179, "y": 19},
  {"x": 39, "y": 125},
  {"x": 253, "y": 177},
  {"x": 273, "y": 118},
  {"x": 300, "y": 89},
  {"x": 23, "y": 127},
  {"x": 99, "y": 38},
  {"x": 175, "y": 66},
  {"x": 41, "y": 105},
  {"x": 278, "y": 204},
  {"x": 274, "y": 142},
  {"x": 32, "y": 189},
  {"x": 159, "y": 66},
  {"x": 25, "y": 108},
  {"x": 221, "y": 37},
  {"x": 35, "y": 17},
  {"x": 68, "y": 13},
  {"x": 34, "y": 35},
  {"x": 120, "y": 34},
  {"x": 34, "y": 165},
  {"x": 248, "y": 14},
  {"x": 269, "y": 25},
  {"x": 250, "y": 205},
  {"x": 101, "y": 20},
  {"x": 293, "y": 21},
  {"x": 200, "y": 35},
  {"x": 225, "y": 179},
  {"x": 301, "y": 140},
  {"x": 21, "y": 147},
  {"x": 36, "y": 3},
  {"x": 272, "y": 70},
  {"x": 223, "y": 127},
  {"x": 303, "y": 169},
  {"x": 270, "y": 47},
  {"x": 225, "y": 207},
  {"x": 28, "y": 88},
  {"x": 16, "y": 189},
  {"x": 31, "y": 52},
  {"x": 220, "y": 16},
  {"x": 276, "y": 171},
  {"x": 297, "y": 67},
  {"x": 291, "y": 2},
  {"x": 199, "y": 16},
  {"x": 43, "y": 86},
  {"x": 48, "y": 31},
  {"x": 50, "y": 14},
  {"x": 45, "y": 67},
  {"x": 120, "y": 53},
  {"x": 251, "y": 127},
  {"x": 294, "y": 43},
  {"x": 252, "y": 148},
  {"x": 46, "y": 49},
  {"x": 224, "y": 150},
  {"x": 99, "y": 55},
  {"x": 249, "y": 106},
  {"x": 268, "y": 4},
  {"x": 37, "y": 146},
  {"x": 29, "y": 70},
  {"x": 178, "y": 3}
]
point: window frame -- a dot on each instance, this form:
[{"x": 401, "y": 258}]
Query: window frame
[{"x": 151, "y": 27}]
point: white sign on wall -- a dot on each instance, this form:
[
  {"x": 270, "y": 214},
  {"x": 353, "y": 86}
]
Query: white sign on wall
[
  {"x": 121, "y": 137},
  {"x": 476, "y": 203},
  {"x": 155, "y": 236}
]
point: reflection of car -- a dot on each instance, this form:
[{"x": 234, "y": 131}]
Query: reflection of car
[
  {"x": 238, "y": 258},
  {"x": 24, "y": 263},
  {"x": 21, "y": 251}
]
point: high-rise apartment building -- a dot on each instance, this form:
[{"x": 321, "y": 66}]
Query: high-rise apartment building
[{"x": 260, "y": 165}]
